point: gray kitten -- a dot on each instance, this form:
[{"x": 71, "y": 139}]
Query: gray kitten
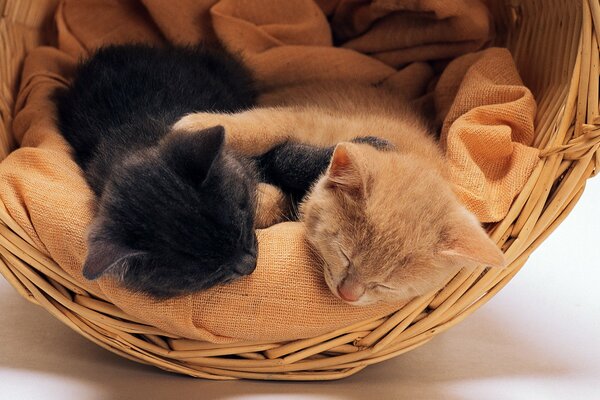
[{"x": 175, "y": 212}]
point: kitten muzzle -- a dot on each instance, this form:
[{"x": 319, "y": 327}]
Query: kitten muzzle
[
  {"x": 350, "y": 291},
  {"x": 246, "y": 264}
]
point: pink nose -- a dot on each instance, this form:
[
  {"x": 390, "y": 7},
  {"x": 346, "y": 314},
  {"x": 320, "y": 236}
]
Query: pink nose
[{"x": 350, "y": 291}]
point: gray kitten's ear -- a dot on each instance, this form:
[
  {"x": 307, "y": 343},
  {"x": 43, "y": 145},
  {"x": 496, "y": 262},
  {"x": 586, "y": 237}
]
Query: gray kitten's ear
[
  {"x": 344, "y": 171},
  {"x": 192, "y": 154},
  {"x": 105, "y": 255}
]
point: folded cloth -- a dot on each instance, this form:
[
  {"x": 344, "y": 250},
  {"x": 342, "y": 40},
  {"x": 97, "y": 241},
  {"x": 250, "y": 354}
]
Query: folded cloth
[
  {"x": 488, "y": 117},
  {"x": 401, "y": 31},
  {"x": 43, "y": 190}
]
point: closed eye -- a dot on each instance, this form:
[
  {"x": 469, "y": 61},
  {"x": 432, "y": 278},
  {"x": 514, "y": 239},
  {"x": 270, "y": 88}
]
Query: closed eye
[{"x": 384, "y": 287}]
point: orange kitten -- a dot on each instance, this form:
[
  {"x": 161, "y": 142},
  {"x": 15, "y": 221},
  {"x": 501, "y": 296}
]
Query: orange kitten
[{"x": 385, "y": 222}]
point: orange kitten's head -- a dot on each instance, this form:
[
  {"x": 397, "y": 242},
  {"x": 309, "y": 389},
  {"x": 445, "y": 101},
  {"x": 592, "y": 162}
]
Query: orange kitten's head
[{"x": 389, "y": 227}]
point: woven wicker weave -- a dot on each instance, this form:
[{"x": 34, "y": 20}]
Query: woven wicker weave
[{"x": 555, "y": 45}]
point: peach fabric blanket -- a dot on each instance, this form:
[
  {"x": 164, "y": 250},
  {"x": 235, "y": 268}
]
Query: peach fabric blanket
[{"x": 487, "y": 115}]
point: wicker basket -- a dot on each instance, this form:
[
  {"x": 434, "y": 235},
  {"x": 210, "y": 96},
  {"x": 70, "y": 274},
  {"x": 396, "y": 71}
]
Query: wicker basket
[{"x": 555, "y": 45}]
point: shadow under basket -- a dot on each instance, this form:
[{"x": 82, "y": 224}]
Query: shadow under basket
[{"x": 555, "y": 46}]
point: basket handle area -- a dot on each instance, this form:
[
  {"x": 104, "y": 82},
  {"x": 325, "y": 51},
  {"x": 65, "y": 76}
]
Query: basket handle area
[{"x": 24, "y": 25}]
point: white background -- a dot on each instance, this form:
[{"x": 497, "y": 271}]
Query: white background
[{"x": 539, "y": 338}]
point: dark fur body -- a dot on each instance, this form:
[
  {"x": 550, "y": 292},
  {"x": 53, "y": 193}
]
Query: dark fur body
[
  {"x": 175, "y": 212},
  {"x": 295, "y": 167},
  {"x": 126, "y": 98}
]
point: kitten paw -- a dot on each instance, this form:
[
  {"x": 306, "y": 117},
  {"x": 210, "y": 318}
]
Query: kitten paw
[
  {"x": 241, "y": 134},
  {"x": 198, "y": 121},
  {"x": 271, "y": 207}
]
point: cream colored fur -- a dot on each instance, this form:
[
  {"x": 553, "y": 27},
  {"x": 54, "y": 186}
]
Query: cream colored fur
[{"x": 386, "y": 224}]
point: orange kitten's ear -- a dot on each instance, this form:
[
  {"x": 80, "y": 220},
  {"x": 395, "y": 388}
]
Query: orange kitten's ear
[
  {"x": 344, "y": 172},
  {"x": 468, "y": 241}
]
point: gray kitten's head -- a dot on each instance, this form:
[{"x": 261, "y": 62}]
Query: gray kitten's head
[{"x": 176, "y": 218}]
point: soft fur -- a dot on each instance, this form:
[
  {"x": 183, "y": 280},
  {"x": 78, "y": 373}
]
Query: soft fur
[
  {"x": 295, "y": 167},
  {"x": 175, "y": 212},
  {"x": 385, "y": 222}
]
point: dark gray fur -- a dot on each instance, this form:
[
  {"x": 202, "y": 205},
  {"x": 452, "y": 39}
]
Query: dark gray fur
[
  {"x": 295, "y": 167},
  {"x": 175, "y": 212}
]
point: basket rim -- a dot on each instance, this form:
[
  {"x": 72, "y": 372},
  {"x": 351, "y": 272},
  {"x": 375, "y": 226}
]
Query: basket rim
[{"x": 570, "y": 154}]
